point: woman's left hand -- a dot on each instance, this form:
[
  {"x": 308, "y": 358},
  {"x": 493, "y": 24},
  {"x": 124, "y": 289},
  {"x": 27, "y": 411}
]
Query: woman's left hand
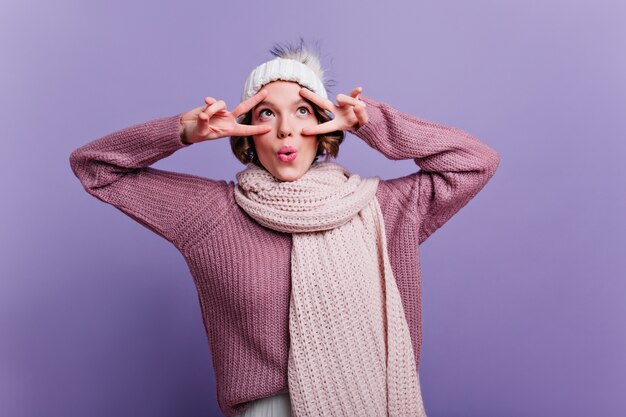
[{"x": 350, "y": 113}]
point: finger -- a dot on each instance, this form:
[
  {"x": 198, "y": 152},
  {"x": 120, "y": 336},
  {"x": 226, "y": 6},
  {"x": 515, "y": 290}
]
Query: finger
[
  {"x": 352, "y": 101},
  {"x": 326, "y": 127},
  {"x": 317, "y": 99},
  {"x": 246, "y": 105},
  {"x": 205, "y": 117},
  {"x": 208, "y": 101},
  {"x": 344, "y": 99},
  {"x": 355, "y": 92},
  {"x": 250, "y": 130},
  {"x": 361, "y": 115},
  {"x": 215, "y": 107}
]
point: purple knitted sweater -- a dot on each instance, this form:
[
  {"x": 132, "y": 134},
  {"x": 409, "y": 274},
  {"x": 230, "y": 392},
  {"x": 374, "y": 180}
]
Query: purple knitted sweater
[{"x": 242, "y": 269}]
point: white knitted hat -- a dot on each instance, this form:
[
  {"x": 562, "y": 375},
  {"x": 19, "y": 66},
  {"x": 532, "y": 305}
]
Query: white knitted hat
[{"x": 309, "y": 76}]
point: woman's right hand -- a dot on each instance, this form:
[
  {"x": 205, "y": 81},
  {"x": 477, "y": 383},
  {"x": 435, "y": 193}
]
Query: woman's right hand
[{"x": 214, "y": 121}]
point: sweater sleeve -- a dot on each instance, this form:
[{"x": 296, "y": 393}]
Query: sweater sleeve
[
  {"x": 115, "y": 169},
  {"x": 454, "y": 166}
]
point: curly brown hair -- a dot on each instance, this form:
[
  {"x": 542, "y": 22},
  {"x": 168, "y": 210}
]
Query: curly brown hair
[{"x": 328, "y": 143}]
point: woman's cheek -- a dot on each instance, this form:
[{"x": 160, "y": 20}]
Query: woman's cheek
[
  {"x": 270, "y": 124},
  {"x": 268, "y": 134}
]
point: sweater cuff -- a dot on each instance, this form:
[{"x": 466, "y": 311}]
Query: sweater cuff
[
  {"x": 169, "y": 129},
  {"x": 375, "y": 120}
]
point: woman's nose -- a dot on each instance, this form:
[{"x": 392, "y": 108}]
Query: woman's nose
[{"x": 284, "y": 129}]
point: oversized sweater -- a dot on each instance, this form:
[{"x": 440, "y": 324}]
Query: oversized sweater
[{"x": 241, "y": 269}]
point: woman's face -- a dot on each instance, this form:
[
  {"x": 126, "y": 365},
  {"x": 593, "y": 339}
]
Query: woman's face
[{"x": 287, "y": 112}]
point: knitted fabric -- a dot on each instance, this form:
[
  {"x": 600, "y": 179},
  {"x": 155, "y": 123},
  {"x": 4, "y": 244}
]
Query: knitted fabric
[
  {"x": 350, "y": 347},
  {"x": 283, "y": 69}
]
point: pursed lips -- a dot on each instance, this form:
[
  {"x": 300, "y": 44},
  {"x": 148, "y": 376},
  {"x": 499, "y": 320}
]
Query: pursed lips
[{"x": 287, "y": 150}]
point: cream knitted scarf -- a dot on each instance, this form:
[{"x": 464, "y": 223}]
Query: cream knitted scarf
[{"x": 350, "y": 349}]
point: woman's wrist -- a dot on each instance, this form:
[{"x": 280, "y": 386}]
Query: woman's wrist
[{"x": 183, "y": 135}]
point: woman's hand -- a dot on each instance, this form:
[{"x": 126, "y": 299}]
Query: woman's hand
[
  {"x": 214, "y": 121},
  {"x": 350, "y": 114}
]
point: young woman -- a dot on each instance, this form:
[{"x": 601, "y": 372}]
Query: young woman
[{"x": 307, "y": 274}]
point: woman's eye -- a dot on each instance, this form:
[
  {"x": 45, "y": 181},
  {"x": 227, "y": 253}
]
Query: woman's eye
[
  {"x": 264, "y": 110},
  {"x": 269, "y": 112}
]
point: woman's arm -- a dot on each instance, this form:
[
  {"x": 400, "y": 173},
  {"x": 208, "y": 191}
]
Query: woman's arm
[
  {"x": 115, "y": 169},
  {"x": 455, "y": 166}
]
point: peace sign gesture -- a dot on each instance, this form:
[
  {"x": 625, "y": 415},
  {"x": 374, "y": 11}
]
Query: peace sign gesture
[
  {"x": 214, "y": 121},
  {"x": 350, "y": 114}
]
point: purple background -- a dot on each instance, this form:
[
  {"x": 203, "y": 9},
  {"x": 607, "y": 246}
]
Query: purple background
[{"x": 524, "y": 289}]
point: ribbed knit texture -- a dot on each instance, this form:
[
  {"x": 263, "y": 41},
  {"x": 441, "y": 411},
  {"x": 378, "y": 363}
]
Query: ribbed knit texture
[
  {"x": 242, "y": 269},
  {"x": 350, "y": 351},
  {"x": 307, "y": 75}
]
